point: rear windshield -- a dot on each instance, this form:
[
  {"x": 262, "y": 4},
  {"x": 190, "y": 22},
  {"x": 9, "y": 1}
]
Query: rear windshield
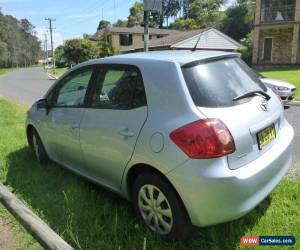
[{"x": 217, "y": 83}]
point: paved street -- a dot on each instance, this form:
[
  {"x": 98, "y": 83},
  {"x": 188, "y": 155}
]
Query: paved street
[
  {"x": 25, "y": 86},
  {"x": 28, "y": 85}
]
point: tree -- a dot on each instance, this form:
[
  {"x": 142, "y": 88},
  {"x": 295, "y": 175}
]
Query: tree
[
  {"x": 103, "y": 24},
  {"x": 247, "y": 49},
  {"x": 19, "y": 45},
  {"x": 239, "y": 19},
  {"x": 120, "y": 23},
  {"x": 170, "y": 9},
  {"x": 136, "y": 15},
  {"x": 184, "y": 24},
  {"x": 205, "y": 12},
  {"x": 60, "y": 60},
  {"x": 80, "y": 50}
]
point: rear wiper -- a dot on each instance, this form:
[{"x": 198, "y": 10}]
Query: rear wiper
[{"x": 252, "y": 93}]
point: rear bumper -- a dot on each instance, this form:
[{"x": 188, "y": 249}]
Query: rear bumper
[{"x": 214, "y": 194}]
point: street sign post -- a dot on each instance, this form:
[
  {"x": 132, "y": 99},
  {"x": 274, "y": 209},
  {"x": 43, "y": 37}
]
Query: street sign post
[{"x": 153, "y": 5}]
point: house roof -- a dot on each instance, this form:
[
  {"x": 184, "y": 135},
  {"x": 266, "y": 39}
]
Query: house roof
[{"x": 211, "y": 38}]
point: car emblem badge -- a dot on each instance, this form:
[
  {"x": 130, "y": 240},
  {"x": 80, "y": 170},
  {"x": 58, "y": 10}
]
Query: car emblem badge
[{"x": 264, "y": 105}]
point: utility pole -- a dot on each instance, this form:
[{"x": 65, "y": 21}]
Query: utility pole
[
  {"x": 46, "y": 49},
  {"x": 51, "y": 28},
  {"x": 146, "y": 30}
]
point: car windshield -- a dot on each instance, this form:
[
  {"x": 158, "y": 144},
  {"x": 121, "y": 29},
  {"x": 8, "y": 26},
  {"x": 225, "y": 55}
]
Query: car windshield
[{"x": 217, "y": 83}]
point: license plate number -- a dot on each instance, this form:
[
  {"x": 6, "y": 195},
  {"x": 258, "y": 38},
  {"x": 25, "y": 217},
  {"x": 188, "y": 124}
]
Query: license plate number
[{"x": 265, "y": 136}]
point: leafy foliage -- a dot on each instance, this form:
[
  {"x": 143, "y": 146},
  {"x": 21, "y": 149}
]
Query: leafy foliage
[
  {"x": 19, "y": 45},
  {"x": 205, "y": 12},
  {"x": 246, "y": 51},
  {"x": 103, "y": 24},
  {"x": 75, "y": 51},
  {"x": 239, "y": 19},
  {"x": 184, "y": 24}
]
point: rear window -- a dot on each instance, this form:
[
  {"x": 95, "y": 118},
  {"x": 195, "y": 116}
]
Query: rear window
[{"x": 217, "y": 83}]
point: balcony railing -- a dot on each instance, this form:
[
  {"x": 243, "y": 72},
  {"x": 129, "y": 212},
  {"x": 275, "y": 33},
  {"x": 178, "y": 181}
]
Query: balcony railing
[{"x": 278, "y": 15}]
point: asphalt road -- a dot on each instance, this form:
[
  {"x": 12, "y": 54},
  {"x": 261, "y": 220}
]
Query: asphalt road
[{"x": 25, "y": 86}]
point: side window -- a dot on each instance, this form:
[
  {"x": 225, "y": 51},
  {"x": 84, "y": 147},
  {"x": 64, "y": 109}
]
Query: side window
[
  {"x": 119, "y": 88},
  {"x": 73, "y": 89}
]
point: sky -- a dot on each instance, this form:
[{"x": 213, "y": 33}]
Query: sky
[{"x": 73, "y": 18}]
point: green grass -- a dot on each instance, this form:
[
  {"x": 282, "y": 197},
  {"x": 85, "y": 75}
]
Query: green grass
[
  {"x": 4, "y": 71},
  {"x": 57, "y": 72},
  {"x": 289, "y": 74},
  {"x": 89, "y": 217}
]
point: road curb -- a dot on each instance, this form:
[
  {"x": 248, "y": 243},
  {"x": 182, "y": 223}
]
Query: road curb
[
  {"x": 52, "y": 76},
  {"x": 32, "y": 223}
]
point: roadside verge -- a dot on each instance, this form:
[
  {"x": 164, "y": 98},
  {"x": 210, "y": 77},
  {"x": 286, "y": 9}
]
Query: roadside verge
[{"x": 31, "y": 222}]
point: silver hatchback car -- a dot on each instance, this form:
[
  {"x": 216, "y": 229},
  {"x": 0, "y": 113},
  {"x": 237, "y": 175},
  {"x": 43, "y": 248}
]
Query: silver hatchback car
[{"x": 191, "y": 138}]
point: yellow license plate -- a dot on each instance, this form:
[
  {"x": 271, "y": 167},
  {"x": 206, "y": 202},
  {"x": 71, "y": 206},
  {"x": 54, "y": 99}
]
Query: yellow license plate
[{"x": 265, "y": 136}]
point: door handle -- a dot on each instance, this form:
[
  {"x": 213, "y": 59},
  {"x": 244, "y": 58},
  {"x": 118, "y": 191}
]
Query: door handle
[{"x": 126, "y": 133}]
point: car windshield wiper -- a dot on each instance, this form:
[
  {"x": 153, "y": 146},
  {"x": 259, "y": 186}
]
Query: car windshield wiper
[{"x": 252, "y": 93}]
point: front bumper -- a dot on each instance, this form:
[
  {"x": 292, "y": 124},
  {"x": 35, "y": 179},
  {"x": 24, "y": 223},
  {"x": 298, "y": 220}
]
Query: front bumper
[{"x": 214, "y": 194}]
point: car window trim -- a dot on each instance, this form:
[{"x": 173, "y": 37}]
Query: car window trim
[{"x": 103, "y": 68}]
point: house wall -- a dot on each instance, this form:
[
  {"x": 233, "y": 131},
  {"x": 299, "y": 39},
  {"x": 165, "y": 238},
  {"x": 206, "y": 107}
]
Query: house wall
[
  {"x": 136, "y": 40},
  {"x": 286, "y": 39},
  {"x": 282, "y": 45}
]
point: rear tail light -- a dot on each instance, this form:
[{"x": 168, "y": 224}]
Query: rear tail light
[{"x": 204, "y": 139}]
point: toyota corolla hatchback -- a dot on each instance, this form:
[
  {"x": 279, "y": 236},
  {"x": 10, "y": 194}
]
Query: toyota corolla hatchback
[{"x": 191, "y": 138}]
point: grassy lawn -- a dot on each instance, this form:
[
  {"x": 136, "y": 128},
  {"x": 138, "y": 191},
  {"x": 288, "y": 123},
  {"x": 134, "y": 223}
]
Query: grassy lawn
[
  {"x": 289, "y": 74},
  {"x": 57, "y": 72},
  {"x": 89, "y": 217},
  {"x": 6, "y": 70}
]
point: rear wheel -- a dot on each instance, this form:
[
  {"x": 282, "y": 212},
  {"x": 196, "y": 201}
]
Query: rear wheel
[
  {"x": 157, "y": 204},
  {"x": 38, "y": 148}
]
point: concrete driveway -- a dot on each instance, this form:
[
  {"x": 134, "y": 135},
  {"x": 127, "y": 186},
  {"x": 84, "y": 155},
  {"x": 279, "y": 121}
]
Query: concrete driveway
[{"x": 25, "y": 86}]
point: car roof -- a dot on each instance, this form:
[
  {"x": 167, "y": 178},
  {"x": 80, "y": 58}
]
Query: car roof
[{"x": 183, "y": 57}]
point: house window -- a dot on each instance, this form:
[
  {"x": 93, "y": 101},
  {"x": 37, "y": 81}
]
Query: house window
[
  {"x": 159, "y": 36},
  {"x": 125, "y": 39},
  {"x": 277, "y": 11}
]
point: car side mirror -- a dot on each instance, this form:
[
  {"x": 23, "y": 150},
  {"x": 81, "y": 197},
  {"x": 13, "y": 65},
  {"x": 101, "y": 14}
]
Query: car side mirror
[{"x": 42, "y": 104}]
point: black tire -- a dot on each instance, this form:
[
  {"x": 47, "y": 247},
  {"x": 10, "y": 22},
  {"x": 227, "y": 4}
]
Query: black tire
[
  {"x": 181, "y": 228},
  {"x": 38, "y": 148}
]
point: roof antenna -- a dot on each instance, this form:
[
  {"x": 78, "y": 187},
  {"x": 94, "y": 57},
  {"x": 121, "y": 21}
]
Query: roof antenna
[{"x": 195, "y": 48}]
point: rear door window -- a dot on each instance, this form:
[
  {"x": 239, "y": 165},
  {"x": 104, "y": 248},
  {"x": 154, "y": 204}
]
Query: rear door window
[
  {"x": 217, "y": 83},
  {"x": 119, "y": 87}
]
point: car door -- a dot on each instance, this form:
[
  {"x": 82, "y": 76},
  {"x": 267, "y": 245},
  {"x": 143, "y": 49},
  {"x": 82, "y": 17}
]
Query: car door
[
  {"x": 67, "y": 101},
  {"x": 112, "y": 122}
]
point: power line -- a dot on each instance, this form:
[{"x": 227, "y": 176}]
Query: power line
[{"x": 51, "y": 28}]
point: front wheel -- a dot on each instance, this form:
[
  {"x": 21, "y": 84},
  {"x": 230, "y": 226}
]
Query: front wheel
[
  {"x": 38, "y": 148},
  {"x": 158, "y": 205}
]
